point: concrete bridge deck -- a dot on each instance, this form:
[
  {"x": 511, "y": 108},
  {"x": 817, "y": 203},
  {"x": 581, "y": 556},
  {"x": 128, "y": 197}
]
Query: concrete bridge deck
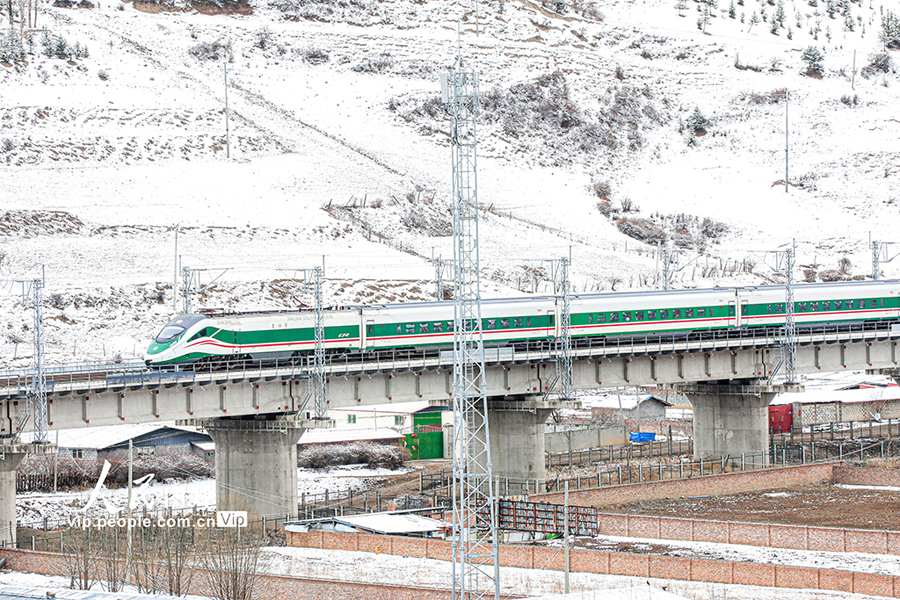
[{"x": 256, "y": 412}]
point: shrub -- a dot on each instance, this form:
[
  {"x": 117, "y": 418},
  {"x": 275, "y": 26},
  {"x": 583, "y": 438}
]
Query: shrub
[
  {"x": 263, "y": 36},
  {"x": 878, "y": 63},
  {"x": 355, "y": 453},
  {"x": 850, "y": 101},
  {"x": 103, "y": 75},
  {"x": 211, "y": 50},
  {"x": 377, "y": 64},
  {"x": 603, "y": 189},
  {"x": 315, "y": 56},
  {"x": 8, "y": 145}
]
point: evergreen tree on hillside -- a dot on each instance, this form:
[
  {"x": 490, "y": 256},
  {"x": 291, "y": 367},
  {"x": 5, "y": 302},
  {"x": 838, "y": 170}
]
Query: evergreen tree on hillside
[
  {"x": 890, "y": 30},
  {"x": 814, "y": 59}
]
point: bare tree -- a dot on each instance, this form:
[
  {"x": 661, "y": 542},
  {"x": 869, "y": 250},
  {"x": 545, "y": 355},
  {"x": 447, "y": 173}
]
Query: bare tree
[
  {"x": 231, "y": 566},
  {"x": 112, "y": 562},
  {"x": 80, "y": 559}
]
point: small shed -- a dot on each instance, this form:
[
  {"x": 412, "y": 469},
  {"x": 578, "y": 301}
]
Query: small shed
[
  {"x": 651, "y": 408},
  {"x": 378, "y": 523},
  {"x": 103, "y": 441}
]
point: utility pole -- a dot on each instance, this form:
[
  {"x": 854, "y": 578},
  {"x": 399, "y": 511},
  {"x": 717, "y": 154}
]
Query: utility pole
[
  {"x": 566, "y": 539},
  {"x": 129, "y": 513},
  {"x": 476, "y": 565},
  {"x": 227, "y": 132},
  {"x": 440, "y": 267},
  {"x": 786, "y": 137},
  {"x": 187, "y": 275},
  {"x": 853, "y": 78}
]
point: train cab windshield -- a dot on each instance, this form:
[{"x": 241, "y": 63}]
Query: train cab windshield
[
  {"x": 169, "y": 333},
  {"x": 176, "y": 327}
]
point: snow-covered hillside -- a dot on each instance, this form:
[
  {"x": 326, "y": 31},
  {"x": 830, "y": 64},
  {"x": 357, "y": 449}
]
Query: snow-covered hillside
[{"x": 339, "y": 148}]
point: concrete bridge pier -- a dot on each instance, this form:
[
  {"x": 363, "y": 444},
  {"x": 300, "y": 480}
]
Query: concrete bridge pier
[
  {"x": 11, "y": 456},
  {"x": 9, "y": 464},
  {"x": 732, "y": 419},
  {"x": 517, "y": 442},
  {"x": 256, "y": 464}
]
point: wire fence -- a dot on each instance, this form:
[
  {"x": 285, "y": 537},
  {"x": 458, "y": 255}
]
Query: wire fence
[{"x": 611, "y": 454}]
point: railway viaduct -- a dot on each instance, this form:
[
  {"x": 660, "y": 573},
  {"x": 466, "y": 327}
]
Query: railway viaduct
[{"x": 257, "y": 413}]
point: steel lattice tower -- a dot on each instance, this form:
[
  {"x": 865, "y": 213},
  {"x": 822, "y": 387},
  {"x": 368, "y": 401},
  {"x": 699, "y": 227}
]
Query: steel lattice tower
[
  {"x": 564, "y": 343},
  {"x": 39, "y": 394},
  {"x": 319, "y": 358},
  {"x": 475, "y": 554},
  {"x": 790, "y": 327}
]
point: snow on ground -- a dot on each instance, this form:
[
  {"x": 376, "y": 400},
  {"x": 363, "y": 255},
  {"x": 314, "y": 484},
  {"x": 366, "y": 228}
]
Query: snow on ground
[
  {"x": 847, "y": 561},
  {"x": 401, "y": 570},
  {"x": 196, "y": 493},
  {"x": 14, "y": 579}
]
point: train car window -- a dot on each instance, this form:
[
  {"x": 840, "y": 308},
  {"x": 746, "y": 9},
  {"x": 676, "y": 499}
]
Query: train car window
[
  {"x": 731, "y": 310},
  {"x": 198, "y": 335},
  {"x": 492, "y": 323},
  {"x": 528, "y": 321},
  {"x": 873, "y": 303},
  {"x": 882, "y": 303},
  {"x": 399, "y": 329},
  {"x": 663, "y": 314},
  {"x": 626, "y": 316},
  {"x": 590, "y": 318},
  {"x": 676, "y": 314},
  {"x": 613, "y": 317},
  {"x": 639, "y": 315},
  {"x": 410, "y": 328},
  {"x": 768, "y": 308},
  {"x": 601, "y": 318},
  {"x": 651, "y": 314},
  {"x": 504, "y": 323},
  {"x": 701, "y": 312},
  {"x": 450, "y": 326},
  {"x": 826, "y": 305},
  {"x": 423, "y": 327},
  {"x": 848, "y": 304},
  {"x": 369, "y": 329},
  {"x": 802, "y": 306},
  {"x": 438, "y": 327},
  {"x": 551, "y": 318},
  {"x": 689, "y": 312},
  {"x": 813, "y": 306},
  {"x": 860, "y": 304},
  {"x": 779, "y": 308},
  {"x": 517, "y": 323}
]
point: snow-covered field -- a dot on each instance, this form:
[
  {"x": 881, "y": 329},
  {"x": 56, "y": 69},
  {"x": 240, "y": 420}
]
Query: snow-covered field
[
  {"x": 400, "y": 570},
  {"x": 333, "y": 155},
  {"x": 200, "y": 493}
]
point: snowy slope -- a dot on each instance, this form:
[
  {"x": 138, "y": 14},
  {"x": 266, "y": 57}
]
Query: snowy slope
[{"x": 329, "y": 158}]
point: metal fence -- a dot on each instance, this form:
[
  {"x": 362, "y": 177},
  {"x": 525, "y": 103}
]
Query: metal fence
[{"x": 607, "y": 454}]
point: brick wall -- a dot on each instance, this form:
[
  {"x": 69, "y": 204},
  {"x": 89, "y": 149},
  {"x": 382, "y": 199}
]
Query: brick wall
[
  {"x": 273, "y": 587},
  {"x": 587, "y": 561},
  {"x": 866, "y": 476},
  {"x": 662, "y": 567},
  {"x": 707, "y": 485}
]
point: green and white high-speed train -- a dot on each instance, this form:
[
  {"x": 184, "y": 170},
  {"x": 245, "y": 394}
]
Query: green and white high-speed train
[{"x": 268, "y": 335}]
